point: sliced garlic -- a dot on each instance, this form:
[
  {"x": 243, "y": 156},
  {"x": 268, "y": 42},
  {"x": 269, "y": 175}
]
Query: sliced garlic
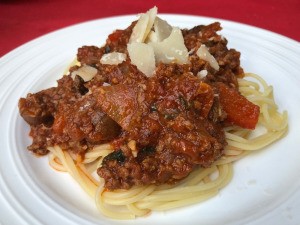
[
  {"x": 204, "y": 54},
  {"x": 152, "y": 37},
  {"x": 85, "y": 72},
  {"x": 201, "y": 74},
  {"x": 162, "y": 29},
  {"x": 171, "y": 49},
  {"x": 113, "y": 58},
  {"x": 143, "y": 26},
  {"x": 142, "y": 56}
]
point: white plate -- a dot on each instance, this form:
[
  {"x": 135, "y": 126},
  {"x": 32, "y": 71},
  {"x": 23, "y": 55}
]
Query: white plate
[{"x": 265, "y": 188}]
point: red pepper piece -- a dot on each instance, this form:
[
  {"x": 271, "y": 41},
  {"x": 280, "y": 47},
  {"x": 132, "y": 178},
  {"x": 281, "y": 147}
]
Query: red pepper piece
[{"x": 240, "y": 111}]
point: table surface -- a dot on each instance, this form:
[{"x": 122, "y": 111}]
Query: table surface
[{"x": 24, "y": 20}]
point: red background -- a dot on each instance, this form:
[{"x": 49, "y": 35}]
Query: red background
[{"x": 24, "y": 20}]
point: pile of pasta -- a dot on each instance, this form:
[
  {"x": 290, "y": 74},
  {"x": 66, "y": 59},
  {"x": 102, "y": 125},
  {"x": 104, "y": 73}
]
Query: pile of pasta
[{"x": 201, "y": 184}]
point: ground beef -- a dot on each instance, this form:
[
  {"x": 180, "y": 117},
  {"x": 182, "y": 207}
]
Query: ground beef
[
  {"x": 164, "y": 114},
  {"x": 228, "y": 59},
  {"x": 175, "y": 117},
  {"x": 83, "y": 121},
  {"x": 39, "y": 110},
  {"x": 89, "y": 55}
]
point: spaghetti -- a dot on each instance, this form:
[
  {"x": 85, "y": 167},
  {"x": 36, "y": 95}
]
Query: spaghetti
[{"x": 201, "y": 184}]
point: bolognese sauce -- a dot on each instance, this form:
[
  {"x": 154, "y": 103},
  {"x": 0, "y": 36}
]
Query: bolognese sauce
[{"x": 173, "y": 119}]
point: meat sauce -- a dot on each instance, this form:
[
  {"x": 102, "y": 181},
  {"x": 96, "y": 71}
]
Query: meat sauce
[{"x": 174, "y": 118}]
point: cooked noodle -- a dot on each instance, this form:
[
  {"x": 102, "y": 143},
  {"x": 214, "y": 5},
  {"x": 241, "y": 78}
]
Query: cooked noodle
[{"x": 200, "y": 185}]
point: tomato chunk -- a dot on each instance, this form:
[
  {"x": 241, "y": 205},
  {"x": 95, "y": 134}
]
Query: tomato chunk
[
  {"x": 121, "y": 103},
  {"x": 113, "y": 37},
  {"x": 240, "y": 111}
]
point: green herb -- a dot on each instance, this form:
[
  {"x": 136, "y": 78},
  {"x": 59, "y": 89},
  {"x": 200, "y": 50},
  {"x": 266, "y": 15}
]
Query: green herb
[
  {"x": 184, "y": 103},
  {"x": 153, "y": 108},
  {"x": 116, "y": 155},
  {"x": 147, "y": 150},
  {"x": 169, "y": 116},
  {"x": 107, "y": 49}
]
